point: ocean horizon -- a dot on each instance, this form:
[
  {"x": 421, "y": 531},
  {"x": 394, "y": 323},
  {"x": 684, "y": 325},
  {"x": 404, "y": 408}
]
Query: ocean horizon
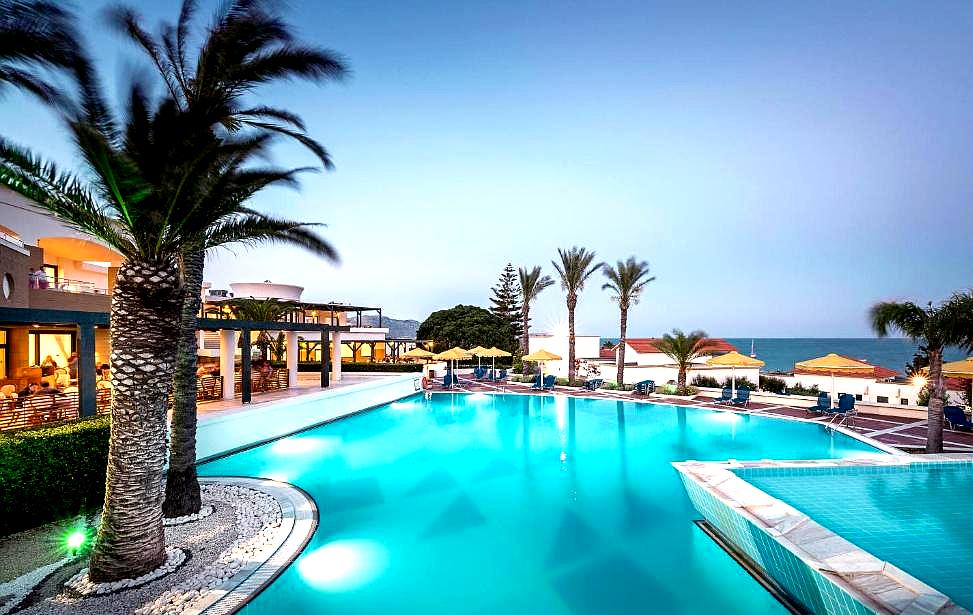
[{"x": 780, "y": 353}]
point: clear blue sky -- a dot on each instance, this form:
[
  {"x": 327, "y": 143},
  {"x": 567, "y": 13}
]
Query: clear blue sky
[{"x": 781, "y": 167}]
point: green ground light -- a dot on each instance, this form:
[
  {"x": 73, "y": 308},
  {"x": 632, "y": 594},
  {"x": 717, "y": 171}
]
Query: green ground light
[{"x": 76, "y": 540}]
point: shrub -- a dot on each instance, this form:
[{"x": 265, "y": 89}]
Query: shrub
[
  {"x": 798, "y": 389},
  {"x": 51, "y": 473},
  {"x": 612, "y": 386},
  {"x": 705, "y": 381},
  {"x": 741, "y": 382},
  {"x": 564, "y": 382},
  {"x": 773, "y": 385}
]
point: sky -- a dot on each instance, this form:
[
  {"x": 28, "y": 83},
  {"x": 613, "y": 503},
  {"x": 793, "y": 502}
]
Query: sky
[{"x": 781, "y": 166}]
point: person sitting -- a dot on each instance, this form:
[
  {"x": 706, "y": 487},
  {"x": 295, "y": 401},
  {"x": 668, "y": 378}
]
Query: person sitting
[
  {"x": 48, "y": 366},
  {"x": 27, "y": 392},
  {"x": 47, "y": 389}
]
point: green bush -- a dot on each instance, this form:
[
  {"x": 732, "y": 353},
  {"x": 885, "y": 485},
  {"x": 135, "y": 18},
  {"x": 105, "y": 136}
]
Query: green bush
[
  {"x": 52, "y": 473},
  {"x": 799, "y": 389},
  {"x": 772, "y": 384},
  {"x": 611, "y": 386},
  {"x": 741, "y": 382},
  {"x": 706, "y": 381}
]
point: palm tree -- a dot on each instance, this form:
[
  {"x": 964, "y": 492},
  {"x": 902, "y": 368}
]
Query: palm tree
[
  {"x": 935, "y": 327},
  {"x": 684, "y": 349},
  {"x": 262, "y": 310},
  {"x": 531, "y": 285},
  {"x": 35, "y": 34},
  {"x": 574, "y": 269},
  {"x": 626, "y": 280},
  {"x": 246, "y": 46}
]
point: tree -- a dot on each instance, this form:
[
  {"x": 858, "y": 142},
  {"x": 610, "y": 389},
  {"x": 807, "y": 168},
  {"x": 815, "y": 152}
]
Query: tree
[
  {"x": 467, "y": 326},
  {"x": 626, "y": 281},
  {"x": 919, "y": 362},
  {"x": 35, "y": 34},
  {"x": 262, "y": 310},
  {"x": 245, "y": 47},
  {"x": 684, "y": 349},
  {"x": 574, "y": 268},
  {"x": 935, "y": 327},
  {"x": 506, "y": 299},
  {"x": 531, "y": 285}
]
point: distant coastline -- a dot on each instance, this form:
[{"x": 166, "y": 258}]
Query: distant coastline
[{"x": 780, "y": 354}]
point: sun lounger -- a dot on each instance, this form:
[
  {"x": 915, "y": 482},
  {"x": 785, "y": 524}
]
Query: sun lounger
[
  {"x": 956, "y": 418},
  {"x": 593, "y": 384},
  {"x": 725, "y": 397},
  {"x": 823, "y": 404},
  {"x": 502, "y": 375},
  {"x": 538, "y": 382},
  {"x": 479, "y": 372},
  {"x": 449, "y": 380},
  {"x": 549, "y": 382},
  {"x": 844, "y": 411},
  {"x": 742, "y": 398}
]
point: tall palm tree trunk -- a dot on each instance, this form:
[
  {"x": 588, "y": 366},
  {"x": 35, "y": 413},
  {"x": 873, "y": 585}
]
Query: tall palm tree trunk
[
  {"x": 681, "y": 382},
  {"x": 934, "y": 437},
  {"x": 620, "y": 358},
  {"x": 572, "y": 303},
  {"x": 182, "y": 495},
  {"x": 524, "y": 329},
  {"x": 144, "y": 325}
]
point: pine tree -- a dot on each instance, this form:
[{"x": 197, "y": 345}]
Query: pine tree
[{"x": 506, "y": 298}]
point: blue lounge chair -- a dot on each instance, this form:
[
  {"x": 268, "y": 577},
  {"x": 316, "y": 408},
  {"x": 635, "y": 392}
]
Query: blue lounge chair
[
  {"x": 645, "y": 387},
  {"x": 956, "y": 418},
  {"x": 449, "y": 380},
  {"x": 479, "y": 372},
  {"x": 593, "y": 384},
  {"x": 742, "y": 398},
  {"x": 725, "y": 397},
  {"x": 538, "y": 383},
  {"x": 844, "y": 411},
  {"x": 502, "y": 376},
  {"x": 823, "y": 404},
  {"x": 549, "y": 382}
]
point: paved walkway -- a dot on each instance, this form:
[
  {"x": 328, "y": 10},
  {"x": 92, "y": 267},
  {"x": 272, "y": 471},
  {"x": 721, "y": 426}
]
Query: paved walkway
[{"x": 903, "y": 433}]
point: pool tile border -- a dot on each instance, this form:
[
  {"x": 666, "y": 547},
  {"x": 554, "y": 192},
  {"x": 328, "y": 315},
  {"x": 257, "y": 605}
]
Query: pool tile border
[
  {"x": 823, "y": 571},
  {"x": 299, "y": 515}
]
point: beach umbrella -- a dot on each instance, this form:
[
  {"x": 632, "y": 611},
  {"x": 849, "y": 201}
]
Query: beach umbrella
[
  {"x": 475, "y": 351},
  {"x": 734, "y": 360},
  {"x": 959, "y": 369},
  {"x": 493, "y": 353},
  {"x": 833, "y": 364},
  {"x": 540, "y": 356},
  {"x": 453, "y": 354}
]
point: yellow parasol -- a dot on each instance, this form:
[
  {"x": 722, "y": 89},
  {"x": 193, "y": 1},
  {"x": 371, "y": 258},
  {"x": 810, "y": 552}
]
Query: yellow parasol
[
  {"x": 833, "y": 363},
  {"x": 540, "y": 356},
  {"x": 453, "y": 354},
  {"x": 493, "y": 353},
  {"x": 734, "y": 360},
  {"x": 476, "y": 352},
  {"x": 959, "y": 369}
]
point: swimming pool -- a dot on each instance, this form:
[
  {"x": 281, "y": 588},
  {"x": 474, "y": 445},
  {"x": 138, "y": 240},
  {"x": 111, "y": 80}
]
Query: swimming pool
[
  {"x": 551, "y": 504},
  {"x": 914, "y": 515}
]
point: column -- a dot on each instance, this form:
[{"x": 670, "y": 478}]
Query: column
[
  {"x": 325, "y": 359},
  {"x": 228, "y": 340},
  {"x": 86, "y": 371},
  {"x": 246, "y": 380},
  {"x": 335, "y": 357},
  {"x": 290, "y": 338}
]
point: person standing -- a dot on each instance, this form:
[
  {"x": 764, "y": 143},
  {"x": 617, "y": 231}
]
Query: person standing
[
  {"x": 42, "y": 281},
  {"x": 32, "y": 278},
  {"x": 73, "y": 366}
]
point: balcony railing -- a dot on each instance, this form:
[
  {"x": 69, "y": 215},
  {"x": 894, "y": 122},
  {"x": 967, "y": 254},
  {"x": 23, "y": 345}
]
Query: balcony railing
[
  {"x": 43, "y": 408},
  {"x": 72, "y": 286}
]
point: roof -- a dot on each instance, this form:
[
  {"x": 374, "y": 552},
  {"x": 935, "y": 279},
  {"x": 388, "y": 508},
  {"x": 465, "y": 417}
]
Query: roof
[
  {"x": 606, "y": 353},
  {"x": 869, "y": 371},
  {"x": 646, "y": 345}
]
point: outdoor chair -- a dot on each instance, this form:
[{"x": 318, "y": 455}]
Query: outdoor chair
[
  {"x": 549, "y": 382},
  {"x": 593, "y": 384},
  {"x": 538, "y": 382},
  {"x": 479, "y": 372},
  {"x": 844, "y": 411},
  {"x": 956, "y": 418},
  {"x": 502, "y": 375},
  {"x": 644, "y": 387},
  {"x": 449, "y": 380},
  {"x": 725, "y": 397},
  {"x": 823, "y": 404},
  {"x": 742, "y": 398}
]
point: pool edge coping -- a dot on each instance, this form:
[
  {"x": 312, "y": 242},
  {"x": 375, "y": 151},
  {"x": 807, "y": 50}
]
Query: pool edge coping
[{"x": 851, "y": 568}]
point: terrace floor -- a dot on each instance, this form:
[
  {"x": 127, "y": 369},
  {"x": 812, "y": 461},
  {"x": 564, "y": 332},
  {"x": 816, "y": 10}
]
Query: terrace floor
[{"x": 906, "y": 434}]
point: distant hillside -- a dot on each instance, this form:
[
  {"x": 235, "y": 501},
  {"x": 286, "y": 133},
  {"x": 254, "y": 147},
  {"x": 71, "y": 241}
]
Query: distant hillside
[{"x": 397, "y": 328}]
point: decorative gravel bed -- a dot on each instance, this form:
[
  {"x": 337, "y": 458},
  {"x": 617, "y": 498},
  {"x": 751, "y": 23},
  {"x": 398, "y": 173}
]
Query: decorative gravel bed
[{"x": 210, "y": 559}]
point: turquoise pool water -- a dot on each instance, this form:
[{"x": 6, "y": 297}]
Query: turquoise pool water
[
  {"x": 916, "y": 516},
  {"x": 483, "y": 503}
]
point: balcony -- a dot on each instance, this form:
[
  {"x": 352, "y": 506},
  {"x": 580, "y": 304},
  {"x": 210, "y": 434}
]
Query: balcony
[{"x": 79, "y": 295}]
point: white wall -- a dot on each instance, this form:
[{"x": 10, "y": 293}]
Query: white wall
[
  {"x": 266, "y": 290},
  {"x": 663, "y": 374},
  {"x": 585, "y": 347},
  {"x": 869, "y": 389}
]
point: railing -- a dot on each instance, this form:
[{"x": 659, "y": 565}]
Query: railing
[
  {"x": 209, "y": 388},
  {"x": 42, "y": 408},
  {"x": 70, "y": 286}
]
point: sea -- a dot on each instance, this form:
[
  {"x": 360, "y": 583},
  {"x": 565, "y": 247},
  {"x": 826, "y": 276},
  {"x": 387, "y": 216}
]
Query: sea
[{"x": 780, "y": 354}]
